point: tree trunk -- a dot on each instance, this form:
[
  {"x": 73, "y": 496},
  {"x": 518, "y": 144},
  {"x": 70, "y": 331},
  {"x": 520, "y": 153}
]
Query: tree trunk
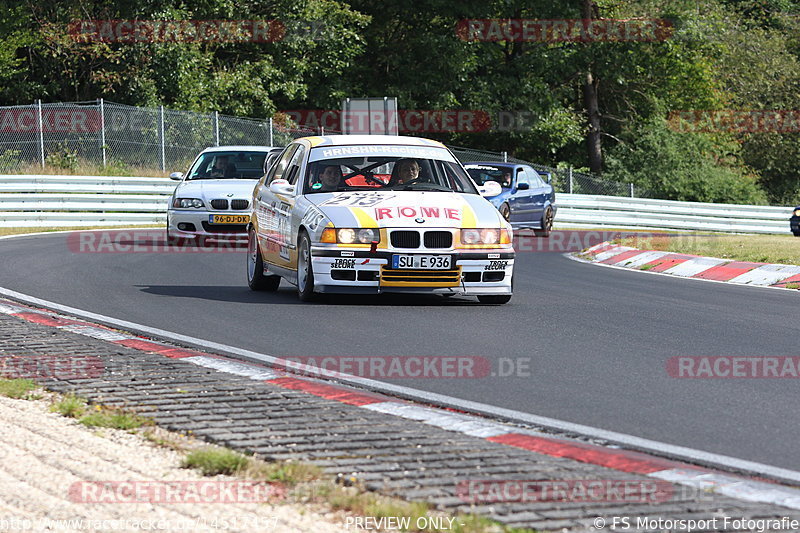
[{"x": 593, "y": 146}]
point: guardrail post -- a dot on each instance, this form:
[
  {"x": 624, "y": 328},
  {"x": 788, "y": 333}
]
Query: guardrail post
[
  {"x": 570, "y": 180},
  {"x": 270, "y": 132},
  {"x": 216, "y": 128},
  {"x": 41, "y": 131},
  {"x": 103, "y": 131},
  {"x": 631, "y": 190},
  {"x": 161, "y": 138}
]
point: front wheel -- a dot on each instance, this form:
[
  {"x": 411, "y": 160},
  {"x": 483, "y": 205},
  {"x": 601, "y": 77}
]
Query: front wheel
[
  {"x": 547, "y": 224},
  {"x": 505, "y": 212},
  {"x": 256, "y": 279},
  {"x": 496, "y": 299},
  {"x": 305, "y": 272}
]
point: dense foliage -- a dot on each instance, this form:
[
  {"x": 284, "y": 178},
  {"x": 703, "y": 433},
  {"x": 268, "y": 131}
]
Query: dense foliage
[{"x": 602, "y": 106}]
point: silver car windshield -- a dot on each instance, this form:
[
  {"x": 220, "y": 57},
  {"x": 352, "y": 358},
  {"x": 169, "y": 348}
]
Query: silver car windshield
[
  {"x": 228, "y": 165},
  {"x": 371, "y": 172}
]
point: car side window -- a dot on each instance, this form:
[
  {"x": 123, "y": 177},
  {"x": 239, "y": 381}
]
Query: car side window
[
  {"x": 295, "y": 163},
  {"x": 278, "y": 169},
  {"x": 535, "y": 179},
  {"x": 522, "y": 176}
]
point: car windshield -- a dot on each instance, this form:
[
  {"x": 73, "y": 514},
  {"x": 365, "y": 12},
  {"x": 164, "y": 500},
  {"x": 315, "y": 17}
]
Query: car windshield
[
  {"x": 228, "y": 165},
  {"x": 483, "y": 173},
  {"x": 408, "y": 168}
]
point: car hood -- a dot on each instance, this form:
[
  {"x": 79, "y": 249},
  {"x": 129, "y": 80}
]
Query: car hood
[
  {"x": 412, "y": 209},
  {"x": 216, "y": 188}
]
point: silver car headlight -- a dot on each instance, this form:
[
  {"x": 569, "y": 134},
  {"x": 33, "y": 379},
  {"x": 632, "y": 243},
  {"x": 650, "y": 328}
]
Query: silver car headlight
[{"x": 186, "y": 203}]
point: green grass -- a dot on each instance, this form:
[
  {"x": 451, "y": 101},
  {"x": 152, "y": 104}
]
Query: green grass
[
  {"x": 69, "y": 405},
  {"x": 74, "y": 406},
  {"x": 22, "y": 231},
  {"x": 18, "y": 388},
  {"x": 755, "y": 248},
  {"x": 112, "y": 418},
  {"x": 85, "y": 168},
  {"x": 212, "y": 461}
]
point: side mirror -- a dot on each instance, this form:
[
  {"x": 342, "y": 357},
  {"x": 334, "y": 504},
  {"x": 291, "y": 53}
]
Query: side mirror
[
  {"x": 283, "y": 187},
  {"x": 548, "y": 177},
  {"x": 523, "y": 186},
  {"x": 177, "y": 176},
  {"x": 490, "y": 188}
]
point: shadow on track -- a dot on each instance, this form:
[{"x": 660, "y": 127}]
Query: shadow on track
[{"x": 288, "y": 296}]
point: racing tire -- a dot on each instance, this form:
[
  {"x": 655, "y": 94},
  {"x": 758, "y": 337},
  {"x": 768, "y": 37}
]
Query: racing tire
[
  {"x": 495, "y": 299},
  {"x": 547, "y": 224},
  {"x": 796, "y": 233},
  {"x": 256, "y": 279},
  {"x": 171, "y": 239},
  {"x": 505, "y": 212},
  {"x": 305, "y": 272}
]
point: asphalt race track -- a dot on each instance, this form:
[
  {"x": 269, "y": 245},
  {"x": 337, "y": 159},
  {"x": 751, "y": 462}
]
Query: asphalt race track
[{"x": 598, "y": 339}]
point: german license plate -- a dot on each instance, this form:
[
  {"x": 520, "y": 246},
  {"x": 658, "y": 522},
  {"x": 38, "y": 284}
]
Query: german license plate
[
  {"x": 228, "y": 219},
  {"x": 422, "y": 262}
]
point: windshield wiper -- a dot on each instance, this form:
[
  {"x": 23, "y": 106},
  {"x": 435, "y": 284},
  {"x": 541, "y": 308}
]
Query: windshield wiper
[{"x": 425, "y": 187}]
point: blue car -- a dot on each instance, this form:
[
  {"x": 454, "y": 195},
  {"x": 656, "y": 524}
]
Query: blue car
[{"x": 527, "y": 199}]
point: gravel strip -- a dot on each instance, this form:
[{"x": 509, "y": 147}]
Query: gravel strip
[{"x": 44, "y": 454}]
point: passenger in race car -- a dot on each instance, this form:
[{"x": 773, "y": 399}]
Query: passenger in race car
[{"x": 404, "y": 171}]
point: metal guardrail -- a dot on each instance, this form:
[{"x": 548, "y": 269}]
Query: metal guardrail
[
  {"x": 59, "y": 201},
  {"x": 63, "y": 201},
  {"x": 591, "y": 210}
]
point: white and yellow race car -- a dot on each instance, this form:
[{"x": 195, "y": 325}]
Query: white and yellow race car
[{"x": 374, "y": 214}]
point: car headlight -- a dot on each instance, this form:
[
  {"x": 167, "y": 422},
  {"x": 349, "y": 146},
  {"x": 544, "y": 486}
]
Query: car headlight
[
  {"x": 346, "y": 236},
  {"x": 350, "y": 235},
  {"x": 797, "y": 212},
  {"x": 485, "y": 236},
  {"x": 366, "y": 236},
  {"x": 186, "y": 203}
]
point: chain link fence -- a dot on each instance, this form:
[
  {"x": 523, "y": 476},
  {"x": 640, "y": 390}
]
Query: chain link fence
[
  {"x": 128, "y": 140},
  {"x": 121, "y": 138}
]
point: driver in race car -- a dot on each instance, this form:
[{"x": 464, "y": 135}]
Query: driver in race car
[
  {"x": 405, "y": 170},
  {"x": 330, "y": 177}
]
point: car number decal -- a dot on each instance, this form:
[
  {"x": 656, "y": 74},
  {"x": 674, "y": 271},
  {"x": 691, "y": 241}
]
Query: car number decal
[{"x": 359, "y": 199}]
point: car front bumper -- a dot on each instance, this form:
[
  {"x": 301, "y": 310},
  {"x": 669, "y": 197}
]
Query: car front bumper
[
  {"x": 472, "y": 272},
  {"x": 184, "y": 223}
]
